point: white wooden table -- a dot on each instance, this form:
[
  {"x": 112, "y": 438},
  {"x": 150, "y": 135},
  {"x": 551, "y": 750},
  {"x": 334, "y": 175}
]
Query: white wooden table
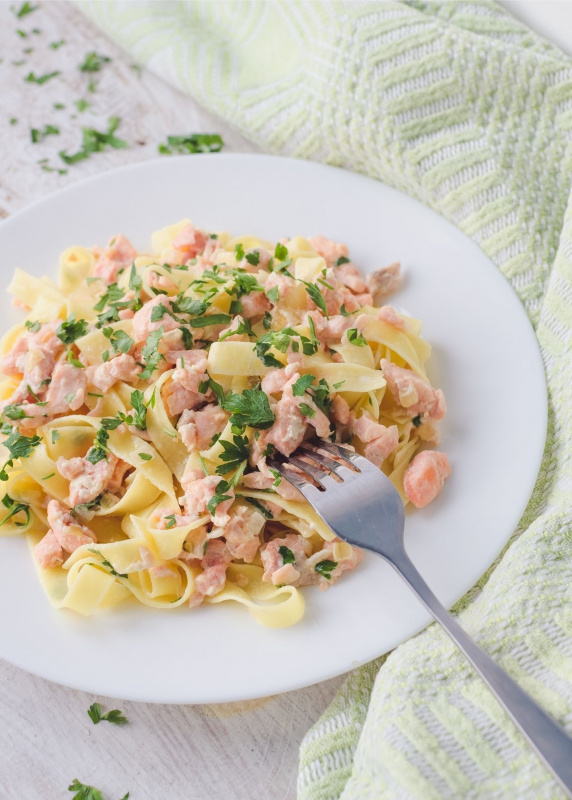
[{"x": 238, "y": 751}]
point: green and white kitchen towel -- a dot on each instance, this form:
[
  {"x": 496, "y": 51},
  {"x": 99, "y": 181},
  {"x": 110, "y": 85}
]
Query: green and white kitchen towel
[{"x": 461, "y": 106}]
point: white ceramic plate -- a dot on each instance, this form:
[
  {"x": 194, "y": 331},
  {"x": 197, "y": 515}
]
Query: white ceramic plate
[{"x": 485, "y": 358}]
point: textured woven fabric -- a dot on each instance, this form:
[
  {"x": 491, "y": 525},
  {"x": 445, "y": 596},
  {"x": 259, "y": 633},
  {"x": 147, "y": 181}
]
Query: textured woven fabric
[{"x": 464, "y": 108}]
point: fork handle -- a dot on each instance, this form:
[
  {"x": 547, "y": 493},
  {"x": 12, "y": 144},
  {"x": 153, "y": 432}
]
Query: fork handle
[{"x": 547, "y": 737}]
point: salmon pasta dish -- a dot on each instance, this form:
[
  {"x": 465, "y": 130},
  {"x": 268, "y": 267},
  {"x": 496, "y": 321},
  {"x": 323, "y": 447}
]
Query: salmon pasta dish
[{"x": 144, "y": 392}]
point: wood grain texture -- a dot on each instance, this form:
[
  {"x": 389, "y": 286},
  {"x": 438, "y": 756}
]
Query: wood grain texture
[{"x": 241, "y": 751}]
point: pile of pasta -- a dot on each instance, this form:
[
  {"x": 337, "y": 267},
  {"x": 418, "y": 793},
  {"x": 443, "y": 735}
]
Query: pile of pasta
[{"x": 143, "y": 393}]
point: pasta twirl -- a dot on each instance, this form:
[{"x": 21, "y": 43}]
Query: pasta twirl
[{"x": 142, "y": 395}]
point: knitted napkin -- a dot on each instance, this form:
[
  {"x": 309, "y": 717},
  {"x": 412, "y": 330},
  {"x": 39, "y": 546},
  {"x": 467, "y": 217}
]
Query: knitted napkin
[{"x": 462, "y": 107}]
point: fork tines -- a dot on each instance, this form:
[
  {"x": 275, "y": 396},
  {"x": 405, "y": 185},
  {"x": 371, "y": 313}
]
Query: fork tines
[{"x": 310, "y": 465}]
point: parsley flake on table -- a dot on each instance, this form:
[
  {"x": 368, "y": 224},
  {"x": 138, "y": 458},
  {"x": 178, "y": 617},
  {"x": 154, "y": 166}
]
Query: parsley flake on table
[
  {"x": 82, "y": 105},
  {"x": 37, "y": 135},
  {"x": 193, "y": 143},
  {"x": 116, "y": 716},
  {"x": 93, "y": 62},
  {"x": 83, "y": 791},
  {"x": 56, "y": 45},
  {"x": 94, "y": 141},
  {"x": 41, "y": 79},
  {"x": 25, "y": 9}
]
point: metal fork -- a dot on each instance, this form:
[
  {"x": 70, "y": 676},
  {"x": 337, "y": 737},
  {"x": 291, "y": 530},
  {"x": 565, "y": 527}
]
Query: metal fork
[{"x": 361, "y": 505}]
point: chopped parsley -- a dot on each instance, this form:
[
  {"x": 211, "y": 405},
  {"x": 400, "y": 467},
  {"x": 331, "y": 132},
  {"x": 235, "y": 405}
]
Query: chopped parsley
[
  {"x": 151, "y": 354},
  {"x": 262, "y": 508},
  {"x": 192, "y": 143},
  {"x": 287, "y": 555},
  {"x": 189, "y": 305},
  {"x": 94, "y": 141},
  {"x": 146, "y": 457},
  {"x": 14, "y": 411},
  {"x": 71, "y": 359},
  {"x": 105, "y": 563},
  {"x": 341, "y": 260},
  {"x": 115, "y": 716},
  {"x": 85, "y": 792},
  {"x": 220, "y": 496},
  {"x": 158, "y": 312},
  {"x": 38, "y": 135},
  {"x": 273, "y": 294},
  {"x": 307, "y": 410},
  {"x": 239, "y": 252},
  {"x": 139, "y": 415},
  {"x": 281, "y": 252},
  {"x": 345, "y": 313},
  {"x": 242, "y": 327},
  {"x": 244, "y": 282},
  {"x": 19, "y": 446},
  {"x": 316, "y": 296},
  {"x": 253, "y": 257},
  {"x": 55, "y": 436},
  {"x": 25, "y": 9},
  {"x": 417, "y": 420},
  {"x": 135, "y": 280},
  {"x": 15, "y": 507},
  {"x": 301, "y": 385},
  {"x": 277, "y": 477},
  {"x": 41, "y": 79},
  {"x": 99, "y": 450},
  {"x": 210, "y": 319},
  {"x": 251, "y": 407},
  {"x": 234, "y": 453},
  {"x": 325, "y": 568},
  {"x": 93, "y": 62},
  {"x": 86, "y": 509},
  {"x": 171, "y": 521},
  {"x": 119, "y": 340},
  {"x": 70, "y": 330},
  {"x": 355, "y": 337}
]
